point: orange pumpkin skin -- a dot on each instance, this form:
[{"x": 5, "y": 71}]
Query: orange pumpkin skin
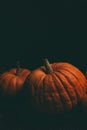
[
  {"x": 10, "y": 83},
  {"x": 58, "y": 91}
]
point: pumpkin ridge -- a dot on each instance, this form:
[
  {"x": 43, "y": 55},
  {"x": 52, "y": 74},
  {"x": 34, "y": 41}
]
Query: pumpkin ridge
[
  {"x": 24, "y": 72},
  {"x": 13, "y": 84},
  {"x": 63, "y": 66},
  {"x": 1, "y": 87},
  {"x": 57, "y": 96},
  {"x": 60, "y": 95},
  {"x": 64, "y": 101},
  {"x": 54, "y": 97},
  {"x": 39, "y": 83},
  {"x": 70, "y": 71},
  {"x": 37, "y": 90},
  {"x": 3, "y": 76},
  {"x": 45, "y": 95},
  {"x": 68, "y": 89},
  {"x": 51, "y": 105},
  {"x": 38, "y": 95},
  {"x": 82, "y": 87},
  {"x": 41, "y": 92},
  {"x": 8, "y": 86},
  {"x": 73, "y": 85},
  {"x": 17, "y": 89},
  {"x": 57, "y": 76}
]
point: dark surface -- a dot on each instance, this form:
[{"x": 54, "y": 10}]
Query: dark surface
[
  {"x": 36, "y": 30},
  {"x": 16, "y": 118}
]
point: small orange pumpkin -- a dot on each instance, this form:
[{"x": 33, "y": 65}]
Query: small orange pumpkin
[
  {"x": 57, "y": 87},
  {"x": 11, "y": 82}
]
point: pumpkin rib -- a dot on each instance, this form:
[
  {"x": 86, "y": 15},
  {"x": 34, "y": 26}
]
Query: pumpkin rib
[
  {"x": 73, "y": 71},
  {"x": 9, "y": 86},
  {"x": 83, "y": 77},
  {"x": 19, "y": 84},
  {"x": 56, "y": 97},
  {"x": 53, "y": 97},
  {"x": 48, "y": 94},
  {"x": 41, "y": 92},
  {"x": 12, "y": 85},
  {"x": 68, "y": 67},
  {"x": 58, "y": 76},
  {"x": 68, "y": 88},
  {"x": 78, "y": 93},
  {"x": 81, "y": 84},
  {"x": 36, "y": 90},
  {"x": 24, "y": 72},
  {"x": 63, "y": 94},
  {"x": 4, "y": 75},
  {"x": 2, "y": 80},
  {"x": 56, "y": 90}
]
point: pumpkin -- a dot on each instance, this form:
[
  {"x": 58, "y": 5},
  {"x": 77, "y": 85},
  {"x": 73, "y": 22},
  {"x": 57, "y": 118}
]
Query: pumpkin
[
  {"x": 11, "y": 82},
  {"x": 56, "y": 87}
]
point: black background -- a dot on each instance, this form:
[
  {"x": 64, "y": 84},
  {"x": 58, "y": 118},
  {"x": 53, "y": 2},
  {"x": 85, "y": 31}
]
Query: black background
[
  {"x": 36, "y": 30},
  {"x": 33, "y": 31}
]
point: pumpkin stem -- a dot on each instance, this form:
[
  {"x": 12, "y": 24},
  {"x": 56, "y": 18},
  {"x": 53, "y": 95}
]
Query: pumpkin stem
[
  {"x": 48, "y": 66},
  {"x": 18, "y": 68}
]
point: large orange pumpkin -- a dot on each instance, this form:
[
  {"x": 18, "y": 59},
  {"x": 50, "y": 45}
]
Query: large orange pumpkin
[
  {"x": 55, "y": 88},
  {"x": 12, "y": 82}
]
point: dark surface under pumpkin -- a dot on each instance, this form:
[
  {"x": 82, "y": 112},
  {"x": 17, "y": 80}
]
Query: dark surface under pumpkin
[{"x": 24, "y": 120}]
